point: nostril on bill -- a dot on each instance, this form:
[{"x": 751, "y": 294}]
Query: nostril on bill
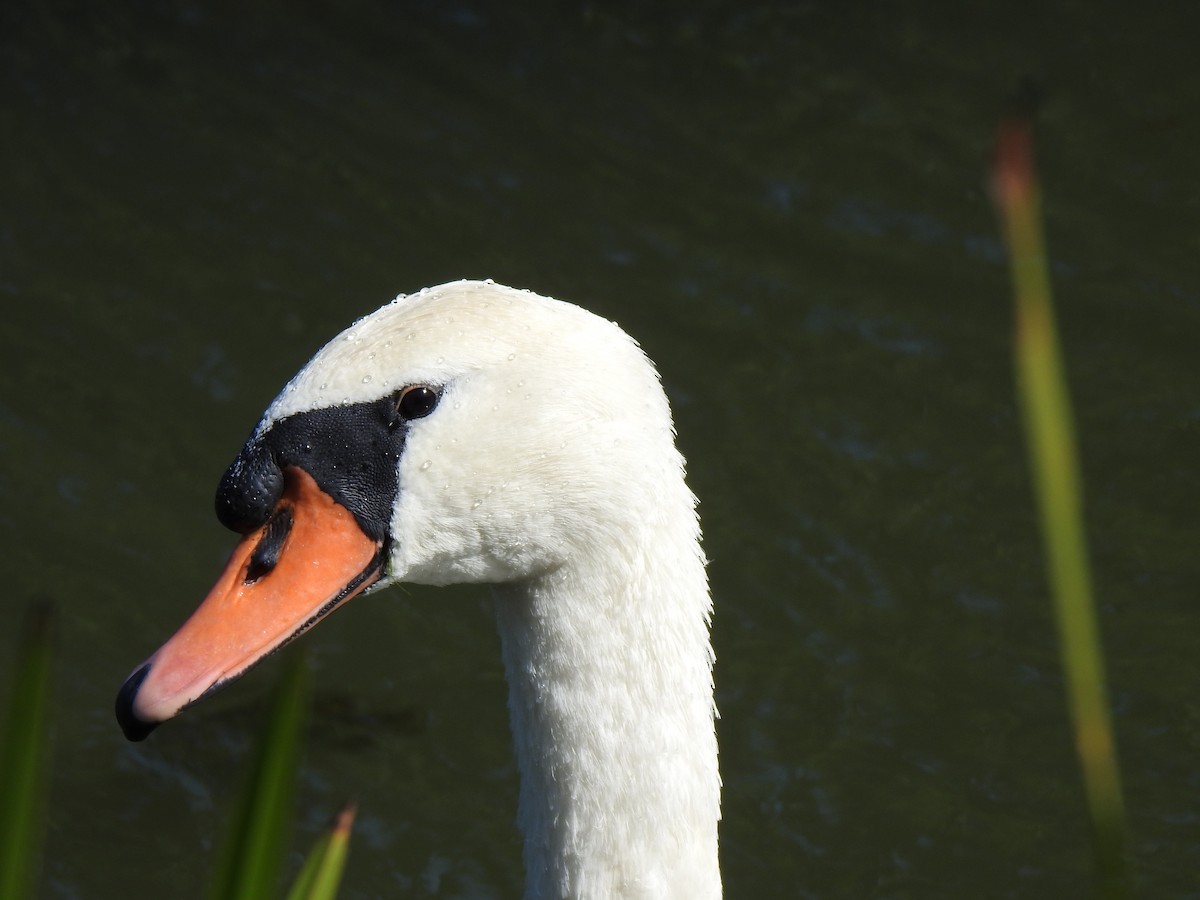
[{"x": 266, "y": 555}]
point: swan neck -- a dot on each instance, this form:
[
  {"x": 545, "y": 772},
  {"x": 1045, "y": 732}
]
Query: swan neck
[{"x": 609, "y": 668}]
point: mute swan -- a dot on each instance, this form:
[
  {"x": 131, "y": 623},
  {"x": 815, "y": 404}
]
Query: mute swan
[{"x": 476, "y": 433}]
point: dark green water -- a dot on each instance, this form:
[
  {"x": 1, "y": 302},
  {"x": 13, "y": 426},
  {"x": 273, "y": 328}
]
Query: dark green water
[{"x": 786, "y": 205}]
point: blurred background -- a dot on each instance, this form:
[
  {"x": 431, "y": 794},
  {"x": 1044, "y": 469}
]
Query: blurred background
[{"x": 786, "y": 204}]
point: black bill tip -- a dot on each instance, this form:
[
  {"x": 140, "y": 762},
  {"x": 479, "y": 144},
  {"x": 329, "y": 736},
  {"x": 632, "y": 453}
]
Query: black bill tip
[{"x": 135, "y": 729}]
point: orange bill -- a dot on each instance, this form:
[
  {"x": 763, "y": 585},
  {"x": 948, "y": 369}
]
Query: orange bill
[{"x": 308, "y": 559}]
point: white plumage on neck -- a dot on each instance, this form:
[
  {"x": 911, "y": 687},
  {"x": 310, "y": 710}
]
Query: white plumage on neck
[
  {"x": 549, "y": 470},
  {"x": 611, "y": 709}
]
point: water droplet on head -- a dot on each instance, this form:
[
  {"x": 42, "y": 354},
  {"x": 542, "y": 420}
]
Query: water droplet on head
[
  {"x": 366, "y": 379},
  {"x": 511, "y": 357},
  {"x": 425, "y": 465}
]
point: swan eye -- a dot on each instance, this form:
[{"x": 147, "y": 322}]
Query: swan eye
[{"x": 416, "y": 402}]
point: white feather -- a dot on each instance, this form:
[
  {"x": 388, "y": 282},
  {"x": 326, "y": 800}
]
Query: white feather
[{"x": 549, "y": 470}]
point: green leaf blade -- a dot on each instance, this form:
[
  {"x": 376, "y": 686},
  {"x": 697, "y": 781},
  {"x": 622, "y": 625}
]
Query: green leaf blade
[
  {"x": 322, "y": 872},
  {"x": 256, "y": 842},
  {"x": 23, "y": 760}
]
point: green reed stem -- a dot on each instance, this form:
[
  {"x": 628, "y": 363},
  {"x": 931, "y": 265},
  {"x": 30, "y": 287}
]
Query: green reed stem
[
  {"x": 25, "y": 754},
  {"x": 255, "y": 843},
  {"x": 322, "y": 871},
  {"x": 1053, "y": 458}
]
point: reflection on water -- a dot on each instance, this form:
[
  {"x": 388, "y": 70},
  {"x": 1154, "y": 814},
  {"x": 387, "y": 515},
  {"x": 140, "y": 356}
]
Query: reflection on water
[{"x": 785, "y": 206}]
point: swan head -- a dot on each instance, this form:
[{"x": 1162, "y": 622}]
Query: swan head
[{"x": 468, "y": 433}]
